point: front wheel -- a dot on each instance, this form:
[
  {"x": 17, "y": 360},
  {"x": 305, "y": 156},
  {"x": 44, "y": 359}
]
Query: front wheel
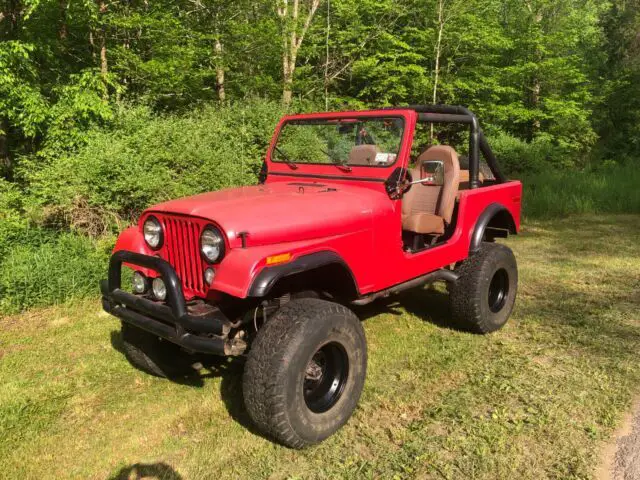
[
  {"x": 483, "y": 296},
  {"x": 305, "y": 372}
]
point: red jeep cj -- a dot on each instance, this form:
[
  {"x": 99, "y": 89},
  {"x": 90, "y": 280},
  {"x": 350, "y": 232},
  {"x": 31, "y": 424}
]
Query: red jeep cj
[{"x": 339, "y": 219}]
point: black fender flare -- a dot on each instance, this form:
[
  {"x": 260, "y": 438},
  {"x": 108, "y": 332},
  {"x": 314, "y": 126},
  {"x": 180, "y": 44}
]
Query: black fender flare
[
  {"x": 269, "y": 276},
  {"x": 499, "y": 215}
]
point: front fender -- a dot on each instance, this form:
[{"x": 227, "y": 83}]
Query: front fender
[
  {"x": 269, "y": 276},
  {"x": 244, "y": 271},
  {"x": 131, "y": 240}
]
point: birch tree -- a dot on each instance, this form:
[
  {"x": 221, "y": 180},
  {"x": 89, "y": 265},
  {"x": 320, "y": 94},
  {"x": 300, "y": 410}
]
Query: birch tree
[{"x": 295, "y": 24}]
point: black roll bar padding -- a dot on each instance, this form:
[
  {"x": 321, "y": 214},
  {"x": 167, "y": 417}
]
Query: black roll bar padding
[
  {"x": 477, "y": 141},
  {"x": 491, "y": 159},
  {"x": 445, "y": 118}
]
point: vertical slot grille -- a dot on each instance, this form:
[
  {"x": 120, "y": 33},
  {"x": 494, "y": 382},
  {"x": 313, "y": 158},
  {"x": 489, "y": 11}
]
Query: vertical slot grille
[{"x": 182, "y": 238}]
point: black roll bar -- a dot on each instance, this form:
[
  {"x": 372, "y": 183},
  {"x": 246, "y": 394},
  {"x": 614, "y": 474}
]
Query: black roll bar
[{"x": 477, "y": 141}]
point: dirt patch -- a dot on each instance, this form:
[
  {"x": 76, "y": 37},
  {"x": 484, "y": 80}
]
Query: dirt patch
[{"x": 620, "y": 459}]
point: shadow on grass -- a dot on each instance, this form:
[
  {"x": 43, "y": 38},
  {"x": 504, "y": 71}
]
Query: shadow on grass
[
  {"x": 137, "y": 471},
  {"x": 428, "y": 304},
  {"x": 199, "y": 368}
]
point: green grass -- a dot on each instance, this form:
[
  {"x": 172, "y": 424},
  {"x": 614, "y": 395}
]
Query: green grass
[
  {"x": 532, "y": 401},
  {"x": 559, "y": 193}
]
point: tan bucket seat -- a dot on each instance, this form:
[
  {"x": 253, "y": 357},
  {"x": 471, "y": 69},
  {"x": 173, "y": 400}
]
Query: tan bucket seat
[{"x": 427, "y": 208}]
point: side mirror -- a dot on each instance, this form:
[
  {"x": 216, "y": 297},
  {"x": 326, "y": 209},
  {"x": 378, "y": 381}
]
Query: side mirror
[{"x": 432, "y": 173}]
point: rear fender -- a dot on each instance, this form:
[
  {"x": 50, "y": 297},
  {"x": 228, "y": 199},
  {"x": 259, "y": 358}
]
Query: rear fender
[{"x": 494, "y": 222}]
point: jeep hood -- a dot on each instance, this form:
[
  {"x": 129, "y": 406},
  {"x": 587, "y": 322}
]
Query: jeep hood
[{"x": 283, "y": 212}]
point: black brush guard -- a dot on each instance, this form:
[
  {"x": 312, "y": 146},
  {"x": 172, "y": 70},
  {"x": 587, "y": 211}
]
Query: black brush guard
[{"x": 171, "y": 320}]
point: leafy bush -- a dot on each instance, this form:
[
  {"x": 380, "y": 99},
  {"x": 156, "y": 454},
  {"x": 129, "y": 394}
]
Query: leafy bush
[
  {"x": 517, "y": 156},
  {"x": 14, "y": 227},
  {"x": 58, "y": 269},
  {"x": 145, "y": 158}
]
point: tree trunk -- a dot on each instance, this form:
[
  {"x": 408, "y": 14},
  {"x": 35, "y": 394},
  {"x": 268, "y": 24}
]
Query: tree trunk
[
  {"x": 535, "y": 103},
  {"x": 292, "y": 36},
  {"x": 287, "y": 90},
  {"x": 63, "y": 30},
  {"x": 536, "y": 86},
  {"x": 102, "y": 43},
  {"x": 326, "y": 63},
  {"x": 438, "y": 52},
  {"x": 5, "y": 159},
  {"x": 219, "y": 70},
  {"x": 12, "y": 12}
]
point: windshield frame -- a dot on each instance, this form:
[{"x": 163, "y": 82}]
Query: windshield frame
[{"x": 325, "y": 119}]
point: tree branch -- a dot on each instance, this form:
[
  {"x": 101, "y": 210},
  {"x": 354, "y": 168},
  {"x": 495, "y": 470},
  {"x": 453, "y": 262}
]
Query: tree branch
[{"x": 307, "y": 23}]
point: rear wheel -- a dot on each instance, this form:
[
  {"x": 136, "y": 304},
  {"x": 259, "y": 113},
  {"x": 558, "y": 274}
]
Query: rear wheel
[
  {"x": 152, "y": 355},
  {"x": 483, "y": 296},
  {"x": 305, "y": 372}
]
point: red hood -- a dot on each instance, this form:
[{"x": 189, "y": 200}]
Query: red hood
[{"x": 283, "y": 211}]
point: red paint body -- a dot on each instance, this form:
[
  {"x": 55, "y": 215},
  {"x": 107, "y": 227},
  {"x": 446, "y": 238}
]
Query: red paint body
[{"x": 352, "y": 217}]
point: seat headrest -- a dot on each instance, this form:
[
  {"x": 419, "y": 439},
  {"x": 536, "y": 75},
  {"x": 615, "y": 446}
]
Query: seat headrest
[
  {"x": 444, "y": 153},
  {"x": 363, "y": 155}
]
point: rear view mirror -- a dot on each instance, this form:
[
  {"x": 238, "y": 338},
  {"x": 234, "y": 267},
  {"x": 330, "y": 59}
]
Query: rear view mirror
[{"x": 432, "y": 172}]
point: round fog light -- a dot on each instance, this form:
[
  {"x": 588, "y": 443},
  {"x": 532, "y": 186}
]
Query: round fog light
[
  {"x": 159, "y": 289},
  {"x": 139, "y": 283},
  {"x": 209, "y": 274}
]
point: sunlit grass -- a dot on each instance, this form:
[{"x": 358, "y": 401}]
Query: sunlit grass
[
  {"x": 558, "y": 193},
  {"x": 532, "y": 401}
]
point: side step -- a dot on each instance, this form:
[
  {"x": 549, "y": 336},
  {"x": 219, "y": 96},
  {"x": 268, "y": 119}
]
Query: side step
[{"x": 443, "y": 274}]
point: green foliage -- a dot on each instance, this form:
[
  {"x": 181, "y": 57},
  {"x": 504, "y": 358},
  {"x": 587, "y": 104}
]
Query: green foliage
[
  {"x": 80, "y": 106},
  {"x": 517, "y": 156},
  {"x": 21, "y": 102},
  {"x": 53, "y": 271},
  {"x": 108, "y": 107},
  {"x": 144, "y": 159},
  {"x": 13, "y": 225},
  {"x": 619, "y": 120}
]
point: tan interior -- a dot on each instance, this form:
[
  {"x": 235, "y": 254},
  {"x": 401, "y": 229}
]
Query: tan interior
[
  {"x": 427, "y": 208},
  {"x": 363, "y": 155}
]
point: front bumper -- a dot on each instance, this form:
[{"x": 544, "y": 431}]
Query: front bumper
[{"x": 174, "y": 320}]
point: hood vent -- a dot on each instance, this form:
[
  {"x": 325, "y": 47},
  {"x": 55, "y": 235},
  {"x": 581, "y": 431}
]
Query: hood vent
[{"x": 307, "y": 184}]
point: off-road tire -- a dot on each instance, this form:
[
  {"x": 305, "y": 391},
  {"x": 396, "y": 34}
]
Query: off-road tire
[
  {"x": 483, "y": 296},
  {"x": 152, "y": 355},
  {"x": 275, "y": 391}
]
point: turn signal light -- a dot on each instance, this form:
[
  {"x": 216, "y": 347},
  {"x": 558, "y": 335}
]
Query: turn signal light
[{"x": 277, "y": 259}]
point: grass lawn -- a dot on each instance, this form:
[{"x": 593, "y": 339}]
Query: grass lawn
[{"x": 532, "y": 401}]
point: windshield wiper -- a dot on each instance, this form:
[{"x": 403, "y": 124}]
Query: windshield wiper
[
  {"x": 335, "y": 160},
  {"x": 285, "y": 158}
]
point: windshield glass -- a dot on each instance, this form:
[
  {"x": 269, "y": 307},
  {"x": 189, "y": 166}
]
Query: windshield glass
[{"x": 373, "y": 142}]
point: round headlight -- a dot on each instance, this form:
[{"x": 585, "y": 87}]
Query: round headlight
[
  {"x": 152, "y": 232},
  {"x": 159, "y": 288},
  {"x": 139, "y": 283},
  {"x": 211, "y": 244}
]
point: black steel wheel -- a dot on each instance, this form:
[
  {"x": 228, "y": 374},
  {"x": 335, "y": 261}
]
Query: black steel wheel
[
  {"x": 498, "y": 290},
  {"x": 305, "y": 372},
  {"x": 484, "y": 295},
  {"x": 325, "y": 377}
]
